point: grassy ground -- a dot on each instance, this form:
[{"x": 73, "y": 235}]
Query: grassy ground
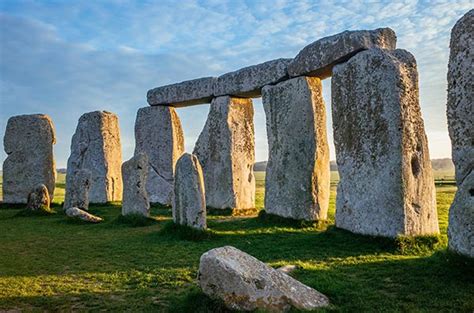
[{"x": 50, "y": 263}]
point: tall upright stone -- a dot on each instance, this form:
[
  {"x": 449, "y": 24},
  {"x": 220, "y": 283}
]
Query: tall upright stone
[
  {"x": 386, "y": 183},
  {"x": 28, "y": 143},
  {"x": 461, "y": 130},
  {"x": 159, "y": 135},
  {"x": 135, "y": 198},
  {"x": 226, "y": 150},
  {"x": 297, "y": 177},
  {"x": 189, "y": 202},
  {"x": 77, "y": 190},
  {"x": 95, "y": 146}
]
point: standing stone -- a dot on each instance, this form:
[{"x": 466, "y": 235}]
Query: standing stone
[
  {"x": 158, "y": 133},
  {"x": 461, "y": 130},
  {"x": 38, "y": 199},
  {"x": 77, "y": 191},
  {"x": 318, "y": 58},
  {"x": 28, "y": 143},
  {"x": 386, "y": 183},
  {"x": 96, "y": 147},
  {"x": 189, "y": 205},
  {"x": 226, "y": 150},
  {"x": 244, "y": 283},
  {"x": 297, "y": 175},
  {"x": 134, "y": 174}
]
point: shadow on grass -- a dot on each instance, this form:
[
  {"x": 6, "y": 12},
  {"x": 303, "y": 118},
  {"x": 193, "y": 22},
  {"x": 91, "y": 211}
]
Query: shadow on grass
[
  {"x": 185, "y": 232},
  {"x": 135, "y": 220}
]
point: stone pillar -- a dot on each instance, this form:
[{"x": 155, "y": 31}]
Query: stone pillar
[
  {"x": 28, "y": 143},
  {"x": 135, "y": 198},
  {"x": 226, "y": 150},
  {"x": 297, "y": 177},
  {"x": 77, "y": 190},
  {"x": 159, "y": 135},
  {"x": 461, "y": 130},
  {"x": 95, "y": 146},
  {"x": 386, "y": 183},
  {"x": 189, "y": 205}
]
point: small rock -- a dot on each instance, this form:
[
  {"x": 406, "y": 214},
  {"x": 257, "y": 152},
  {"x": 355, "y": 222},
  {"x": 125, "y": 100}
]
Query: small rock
[
  {"x": 77, "y": 213},
  {"x": 287, "y": 269},
  {"x": 134, "y": 174},
  {"x": 245, "y": 283},
  {"x": 38, "y": 199}
]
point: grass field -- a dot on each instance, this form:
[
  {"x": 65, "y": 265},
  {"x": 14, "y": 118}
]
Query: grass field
[{"x": 50, "y": 263}]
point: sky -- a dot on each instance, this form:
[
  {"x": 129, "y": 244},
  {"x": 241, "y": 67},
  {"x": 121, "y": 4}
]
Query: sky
[{"x": 66, "y": 58}]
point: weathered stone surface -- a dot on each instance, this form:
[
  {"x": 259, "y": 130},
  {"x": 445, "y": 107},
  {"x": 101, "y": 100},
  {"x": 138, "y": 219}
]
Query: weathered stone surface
[
  {"x": 82, "y": 215},
  {"x": 461, "y": 130},
  {"x": 158, "y": 133},
  {"x": 226, "y": 150},
  {"x": 189, "y": 205},
  {"x": 318, "y": 58},
  {"x": 245, "y": 283},
  {"x": 96, "y": 147},
  {"x": 135, "y": 197},
  {"x": 386, "y": 183},
  {"x": 297, "y": 175},
  {"x": 183, "y": 94},
  {"x": 77, "y": 190},
  {"x": 38, "y": 199},
  {"x": 248, "y": 81},
  {"x": 28, "y": 143}
]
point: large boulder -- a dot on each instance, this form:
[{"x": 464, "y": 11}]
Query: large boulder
[
  {"x": 297, "y": 174},
  {"x": 318, "y": 58},
  {"x": 245, "y": 283},
  {"x": 226, "y": 150},
  {"x": 28, "y": 143},
  {"x": 248, "y": 81},
  {"x": 159, "y": 135},
  {"x": 386, "y": 183},
  {"x": 135, "y": 197},
  {"x": 189, "y": 205},
  {"x": 38, "y": 199},
  {"x": 183, "y": 94},
  {"x": 460, "y": 124},
  {"x": 95, "y": 146},
  {"x": 77, "y": 191}
]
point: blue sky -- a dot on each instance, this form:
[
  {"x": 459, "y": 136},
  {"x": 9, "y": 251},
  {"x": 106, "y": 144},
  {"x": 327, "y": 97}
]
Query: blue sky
[{"x": 65, "y": 58}]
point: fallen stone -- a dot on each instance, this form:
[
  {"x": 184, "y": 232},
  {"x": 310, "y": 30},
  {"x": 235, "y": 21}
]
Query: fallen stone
[
  {"x": 318, "y": 58},
  {"x": 77, "y": 190},
  {"x": 226, "y": 150},
  {"x": 386, "y": 185},
  {"x": 287, "y": 269},
  {"x": 190, "y": 92},
  {"x": 460, "y": 124},
  {"x": 38, "y": 199},
  {"x": 82, "y": 215},
  {"x": 189, "y": 205},
  {"x": 244, "y": 283},
  {"x": 249, "y": 81},
  {"x": 95, "y": 146},
  {"x": 297, "y": 174},
  {"x": 158, "y": 133},
  {"x": 28, "y": 143},
  {"x": 134, "y": 174}
]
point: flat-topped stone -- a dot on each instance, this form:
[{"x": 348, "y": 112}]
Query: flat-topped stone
[
  {"x": 318, "y": 58},
  {"x": 186, "y": 93},
  {"x": 249, "y": 81},
  {"x": 28, "y": 143}
]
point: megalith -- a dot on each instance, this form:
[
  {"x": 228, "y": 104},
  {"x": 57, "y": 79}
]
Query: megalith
[
  {"x": 28, "y": 143},
  {"x": 297, "y": 175},
  {"x": 226, "y": 150},
  {"x": 77, "y": 190},
  {"x": 135, "y": 197},
  {"x": 461, "y": 130},
  {"x": 95, "y": 146},
  {"x": 189, "y": 205},
  {"x": 386, "y": 183},
  {"x": 159, "y": 135}
]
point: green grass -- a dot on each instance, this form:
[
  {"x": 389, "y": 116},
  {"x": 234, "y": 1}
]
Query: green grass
[{"x": 48, "y": 263}]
